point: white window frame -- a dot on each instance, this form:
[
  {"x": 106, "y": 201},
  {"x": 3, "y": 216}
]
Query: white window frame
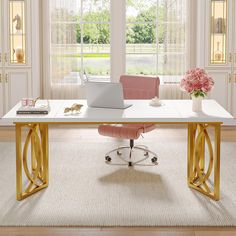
[{"x": 117, "y": 39}]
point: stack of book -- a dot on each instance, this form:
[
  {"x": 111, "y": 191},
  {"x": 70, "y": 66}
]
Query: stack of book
[{"x": 38, "y": 109}]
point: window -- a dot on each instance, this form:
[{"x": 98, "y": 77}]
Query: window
[
  {"x": 107, "y": 38},
  {"x": 80, "y": 40},
  {"x": 156, "y": 38}
]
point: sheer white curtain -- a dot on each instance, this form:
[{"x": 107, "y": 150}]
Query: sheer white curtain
[
  {"x": 179, "y": 54},
  {"x": 64, "y": 50}
]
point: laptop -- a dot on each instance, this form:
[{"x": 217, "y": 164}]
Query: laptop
[{"x": 105, "y": 95}]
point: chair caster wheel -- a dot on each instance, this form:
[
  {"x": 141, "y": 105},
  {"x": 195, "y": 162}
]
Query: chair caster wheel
[
  {"x": 119, "y": 153},
  {"x": 154, "y": 159},
  {"x": 146, "y": 154},
  {"x": 108, "y": 159}
]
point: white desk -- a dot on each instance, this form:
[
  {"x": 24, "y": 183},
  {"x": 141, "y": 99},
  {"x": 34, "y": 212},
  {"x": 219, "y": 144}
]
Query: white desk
[{"x": 172, "y": 112}]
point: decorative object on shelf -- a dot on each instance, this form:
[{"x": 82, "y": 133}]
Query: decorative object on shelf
[
  {"x": 18, "y": 20},
  {"x": 74, "y": 109},
  {"x": 219, "y": 25},
  {"x": 218, "y": 54},
  {"x": 20, "y": 55},
  {"x": 197, "y": 83}
]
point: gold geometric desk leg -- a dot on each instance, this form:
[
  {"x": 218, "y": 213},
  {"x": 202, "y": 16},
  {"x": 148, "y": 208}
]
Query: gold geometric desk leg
[
  {"x": 191, "y": 142},
  {"x": 44, "y": 135},
  {"x": 18, "y": 163},
  {"x": 217, "y": 162},
  {"x": 202, "y": 155},
  {"x": 200, "y": 167},
  {"x": 36, "y": 176}
]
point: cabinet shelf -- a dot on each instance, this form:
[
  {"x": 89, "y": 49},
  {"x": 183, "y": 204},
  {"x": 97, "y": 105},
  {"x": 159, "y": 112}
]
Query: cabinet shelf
[
  {"x": 18, "y": 63},
  {"x": 18, "y": 34},
  {"x": 218, "y": 34}
]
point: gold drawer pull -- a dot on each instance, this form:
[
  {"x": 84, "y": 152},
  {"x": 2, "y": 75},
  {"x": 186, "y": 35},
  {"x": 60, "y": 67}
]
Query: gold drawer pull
[
  {"x": 0, "y": 78},
  {"x": 5, "y": 57},
  {"x": 0, "y": 57},
  {"x": 6, "y": 78}
]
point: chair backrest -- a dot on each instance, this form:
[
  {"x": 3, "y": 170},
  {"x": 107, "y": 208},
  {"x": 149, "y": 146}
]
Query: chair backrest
[{"x": 140, "y": 87}]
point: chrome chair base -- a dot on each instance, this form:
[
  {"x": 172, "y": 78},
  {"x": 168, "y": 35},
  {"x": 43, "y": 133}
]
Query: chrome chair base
[{"x": 129, "y": 161}]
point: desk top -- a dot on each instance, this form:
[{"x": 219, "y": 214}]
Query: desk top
[{"x": 176, "y": 111}]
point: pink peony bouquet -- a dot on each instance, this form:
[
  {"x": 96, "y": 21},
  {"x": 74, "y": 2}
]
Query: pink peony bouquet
[{"x": 197, "y": 82}]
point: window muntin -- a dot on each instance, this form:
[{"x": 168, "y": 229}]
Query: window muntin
[
  {"x": 156, "y": 38},
  {"x": 80, "y": 39}
]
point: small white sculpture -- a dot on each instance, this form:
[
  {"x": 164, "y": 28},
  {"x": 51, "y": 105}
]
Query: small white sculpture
[{"x": 155, "y": 102}]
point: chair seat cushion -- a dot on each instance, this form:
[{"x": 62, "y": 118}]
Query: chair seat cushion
[{"x": 127, "y": 131}]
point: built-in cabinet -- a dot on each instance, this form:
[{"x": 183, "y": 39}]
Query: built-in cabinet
[
  {"x": 17, "y": 39},
  {"x": 233, "y": 67},
  {"x": 216, "y": 48},
  {"x": 17, "y": 78},
  {"x": 1, "y": 93}
]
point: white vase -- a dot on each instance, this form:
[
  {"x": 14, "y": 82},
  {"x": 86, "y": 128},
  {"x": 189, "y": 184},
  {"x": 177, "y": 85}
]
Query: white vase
[{"x": 197, "y": 103}]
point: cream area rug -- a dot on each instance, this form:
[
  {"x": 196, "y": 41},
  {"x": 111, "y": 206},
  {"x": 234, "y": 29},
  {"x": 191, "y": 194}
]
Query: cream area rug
[{"x": 84, "y": 191}]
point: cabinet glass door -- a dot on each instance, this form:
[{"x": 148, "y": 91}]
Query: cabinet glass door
[
  {"x": 218, "y": 31},
  {"x": 1, "y": 93},
  {"x": 17, "y": 31},
  {"x": 1, "y": 34}
]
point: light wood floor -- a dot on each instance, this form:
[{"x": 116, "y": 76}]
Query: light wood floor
[{"x": 73, "y": 133}]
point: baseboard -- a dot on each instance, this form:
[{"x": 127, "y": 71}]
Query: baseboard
[
  {"x": 4, "y": 123},
  {"x": 230, "y": 122}
]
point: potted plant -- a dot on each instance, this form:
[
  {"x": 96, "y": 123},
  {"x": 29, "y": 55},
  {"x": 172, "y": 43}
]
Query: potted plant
[{"x": 197, "y": 83}]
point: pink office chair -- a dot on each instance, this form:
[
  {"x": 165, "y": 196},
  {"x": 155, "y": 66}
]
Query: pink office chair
[{"x": 134, "y": 87}]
